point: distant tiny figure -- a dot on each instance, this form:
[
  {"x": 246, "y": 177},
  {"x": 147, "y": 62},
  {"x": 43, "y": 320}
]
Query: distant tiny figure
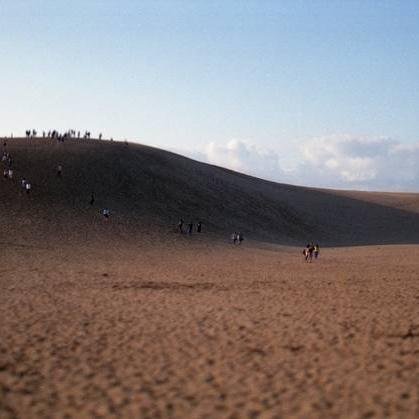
[
  {"x": 92, "y": 198},
  {"x": 316, "y": 250},
  {"x": 305, "y": 252},
  {"x": 10, "y": 173},
  {"x": 180, "y": 225},
  {"x": 308, "y": 252},
  {"x": 234, "y": 238},
  {"x": 5, "y": 173},
  {"x": 28, "y": 187},
  {"x": 190, "y": 227},
  {"x": 240, "y": 237},
  {"x": 199, "y": 227},
  {"x": 100, "y": 136},
  {"x": 59, "y": 170},
  {"x": 23, "y": 183},
  {"x": 106, "y": 213}
]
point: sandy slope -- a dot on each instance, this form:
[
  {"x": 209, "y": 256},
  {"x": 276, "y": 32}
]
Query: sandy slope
[
  {"x": 186, "y": 329},
  {"x": 151, "y": 189}
]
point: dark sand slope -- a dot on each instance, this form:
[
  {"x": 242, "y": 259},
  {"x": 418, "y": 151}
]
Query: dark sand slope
[
  {"x": 148, "y": 188},
  {"x": 124, "y": 318}
]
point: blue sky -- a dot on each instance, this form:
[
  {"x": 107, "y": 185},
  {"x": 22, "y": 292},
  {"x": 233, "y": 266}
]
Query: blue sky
[{"x": 196, "y": 75}]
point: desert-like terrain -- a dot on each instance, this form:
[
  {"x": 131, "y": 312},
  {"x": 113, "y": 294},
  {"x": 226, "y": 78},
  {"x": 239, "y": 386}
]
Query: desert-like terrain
[{"x": 125, "y": 317}]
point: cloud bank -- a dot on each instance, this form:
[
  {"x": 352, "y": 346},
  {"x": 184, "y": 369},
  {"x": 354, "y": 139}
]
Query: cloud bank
[
  {"x": 344, "y": 161},
  {"x": 246, "y": 158}
]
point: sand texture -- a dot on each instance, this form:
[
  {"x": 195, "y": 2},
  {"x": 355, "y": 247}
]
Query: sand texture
[{"x": 209, "y": 331}]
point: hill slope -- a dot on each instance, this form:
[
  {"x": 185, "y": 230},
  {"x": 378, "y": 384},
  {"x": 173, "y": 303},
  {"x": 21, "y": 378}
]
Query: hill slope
[{"x": 148, "y": 190}]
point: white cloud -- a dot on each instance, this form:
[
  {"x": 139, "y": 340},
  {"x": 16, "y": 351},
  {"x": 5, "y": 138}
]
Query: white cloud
[
  {"x": 342, "y": 161},
  {"x": 245, "y": 157},
  {"x": 364, "y": 163}
]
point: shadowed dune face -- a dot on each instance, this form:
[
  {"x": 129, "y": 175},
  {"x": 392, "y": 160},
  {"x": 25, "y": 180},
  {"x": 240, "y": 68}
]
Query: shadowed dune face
[{"x": 148, "y": 189}]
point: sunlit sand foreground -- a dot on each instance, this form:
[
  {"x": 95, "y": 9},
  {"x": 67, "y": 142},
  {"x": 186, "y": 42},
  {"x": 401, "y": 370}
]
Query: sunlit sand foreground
[{"x": 190, "y": 329}]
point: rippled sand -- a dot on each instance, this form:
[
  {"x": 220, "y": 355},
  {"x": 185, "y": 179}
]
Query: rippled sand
[{"x": 193, "y": 330}]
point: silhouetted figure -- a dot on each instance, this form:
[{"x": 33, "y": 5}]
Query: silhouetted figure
[
  {"x": 180, "y": 225},
  {"x": 240, "y": 237},
  {"x": 199, "y": 227},
  {"x": 59, "y": 170},
  {"x": 316, "y": 250},
  {"x": 309, "y": 252},
  {"x": 92, "y": 198},
  {"x": 234, "y": 238},
  {"x": 306, "y": 252},
  {"x": 100, "y": 136},
  {"x": 190, "y": 228}
]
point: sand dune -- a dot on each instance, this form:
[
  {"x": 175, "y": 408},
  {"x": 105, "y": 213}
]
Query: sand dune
[
  {"x": 126, "y": 318},
  {"x": 150, "y": 189}
]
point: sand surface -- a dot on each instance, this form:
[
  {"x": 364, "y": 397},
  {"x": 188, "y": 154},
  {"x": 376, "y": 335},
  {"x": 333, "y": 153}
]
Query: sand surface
[{"x": 190, "y": 329}]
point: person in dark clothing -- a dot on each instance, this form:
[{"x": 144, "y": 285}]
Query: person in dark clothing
[
  {"x": 306, "y": 252},
  {"x": 180, "y": 225},
  {"x": 199, "y": 227},
  {"x": 59, "y": 170},
  {"x": 92, "y": 198},
  {"x": 190, "y": 227},
  {"x": 240, "y": 237},
  {"x": 310, "y": 252}
]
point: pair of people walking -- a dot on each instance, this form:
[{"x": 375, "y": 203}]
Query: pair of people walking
[
  {"x": 311, "y": 250},
  {"x": 237, "y": 238}
]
